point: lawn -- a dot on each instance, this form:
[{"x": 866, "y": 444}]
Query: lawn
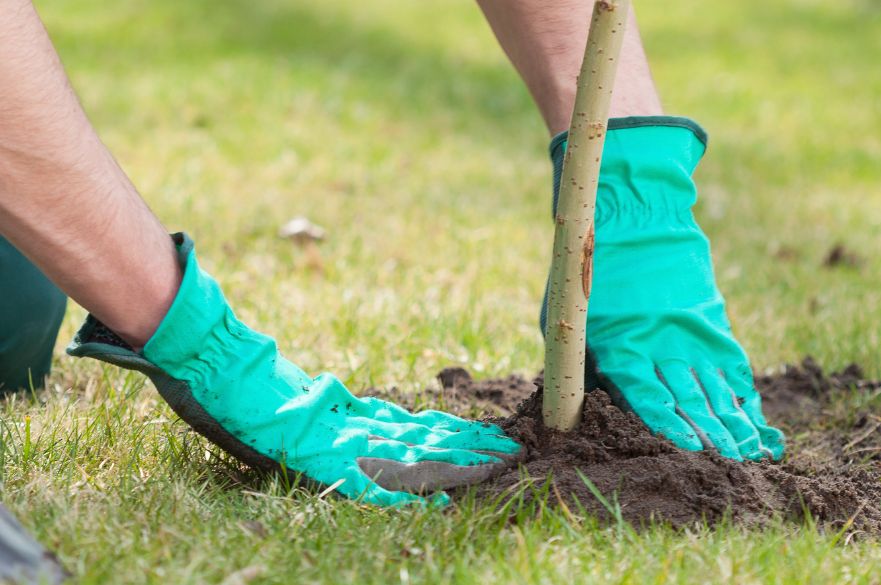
[{"x": 401, "y": 128}]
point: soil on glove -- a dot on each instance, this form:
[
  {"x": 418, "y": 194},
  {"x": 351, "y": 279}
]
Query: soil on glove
[{"x": 832, "y": 469}]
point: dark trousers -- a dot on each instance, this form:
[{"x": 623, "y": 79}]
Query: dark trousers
[{"x": 31, "y": 309}]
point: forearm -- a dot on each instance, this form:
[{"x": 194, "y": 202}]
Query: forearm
[
  {"x": 64, "y": 201},
  {"x": 545, "y": 42}
]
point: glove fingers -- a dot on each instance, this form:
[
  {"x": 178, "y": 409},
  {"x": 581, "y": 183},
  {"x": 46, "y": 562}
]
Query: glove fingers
[
  {"x": 470, "y": 435},
  {"x": 694, "y": 406},
  {"x": 475, "y": 437},
  {"x": 741, "y": 383},
  {"x": 388, "y": 412},
  {"x": 408, "y": 453},
  {"x": 414, "y": 468},
  {"x": 478, "y": 437},
  {"x": 636, "y": 384},
  {"x": 378, "y": 417},
  {"x": 360, "y": 486},
  {"x": 727, "y": 408}
]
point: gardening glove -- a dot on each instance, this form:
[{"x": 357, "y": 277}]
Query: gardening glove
[
  {"x": 658, "y": 339},
  {"x": 232, "y": 386}
]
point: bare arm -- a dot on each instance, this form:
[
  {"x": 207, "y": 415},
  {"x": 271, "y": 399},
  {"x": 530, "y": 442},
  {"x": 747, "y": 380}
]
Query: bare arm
[
  {"x": 545, "y": 42},
  {"x": 64, "y": 201}
]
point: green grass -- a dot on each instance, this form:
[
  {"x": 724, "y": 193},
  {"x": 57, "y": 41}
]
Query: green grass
[{"x": 401, "y": 128}]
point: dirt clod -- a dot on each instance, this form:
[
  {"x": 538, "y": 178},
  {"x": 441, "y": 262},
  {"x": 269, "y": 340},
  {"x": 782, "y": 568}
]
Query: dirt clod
[
  {"x": 451, "y": 377},
  {"x": 839, "y": 255}
]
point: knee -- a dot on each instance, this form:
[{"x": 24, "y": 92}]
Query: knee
[{"x": 31, "y": 311}]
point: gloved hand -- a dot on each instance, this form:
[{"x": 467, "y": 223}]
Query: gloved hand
[
  {"x": 659, "y": 341},
  {"x": 232, "y": 386}
]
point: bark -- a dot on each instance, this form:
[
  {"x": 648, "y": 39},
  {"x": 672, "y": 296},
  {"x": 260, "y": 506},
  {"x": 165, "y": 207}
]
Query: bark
[{"x": 572, "y": 263}]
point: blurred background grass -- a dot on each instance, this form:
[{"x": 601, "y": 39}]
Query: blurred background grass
[{"x": 401, "y": 127}]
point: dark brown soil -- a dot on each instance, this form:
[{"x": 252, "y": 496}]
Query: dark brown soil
[
  {"x": 839, "y": 255},
  {"x": 832, "y": 470},
  {"x": 461, "y": 395}
]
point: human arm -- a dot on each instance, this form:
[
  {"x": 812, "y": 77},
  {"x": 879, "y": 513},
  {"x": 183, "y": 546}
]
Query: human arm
[
  {"x": 69, "y": 207},
  {"x": 64, "y": 201}
]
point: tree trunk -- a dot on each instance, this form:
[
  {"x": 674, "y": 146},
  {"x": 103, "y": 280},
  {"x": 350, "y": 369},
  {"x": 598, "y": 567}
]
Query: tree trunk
[{"x": 572, "y": 263}]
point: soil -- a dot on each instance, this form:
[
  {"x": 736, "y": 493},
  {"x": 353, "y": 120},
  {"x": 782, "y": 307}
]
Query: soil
[
  {"x": 839, "y": 255},
  {"x": 462, "y": 395},
  {"x": 832, "y": 470}
]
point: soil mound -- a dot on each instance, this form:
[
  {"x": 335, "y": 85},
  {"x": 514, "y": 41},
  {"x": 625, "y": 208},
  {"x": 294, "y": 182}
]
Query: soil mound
[
  {"x": 462, "y": 395},
  {"x": 832, "y": 470},
  {"x": 651, "y": 480}
]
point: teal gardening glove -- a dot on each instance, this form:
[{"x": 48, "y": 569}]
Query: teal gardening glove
[
  {"x": 232, "y": 386},
  {"x": 658, "y": 339}
]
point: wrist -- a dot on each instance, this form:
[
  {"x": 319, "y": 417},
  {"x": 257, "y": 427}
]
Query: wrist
[{"x": 151, "y": 293}]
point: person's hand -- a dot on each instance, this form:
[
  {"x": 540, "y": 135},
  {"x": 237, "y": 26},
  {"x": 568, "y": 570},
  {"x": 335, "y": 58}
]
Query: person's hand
[
  {"x": 659, "y": 341},
  {"x": 232, "y": 386}
]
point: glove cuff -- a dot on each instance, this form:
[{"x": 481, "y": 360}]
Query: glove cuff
[
  {"x": 200, "y": 335},
  {"x": 647, "y": 165},
  {"x": 198, "y": 358},
  {"x": 199, "y": 308},
  {"x": 200, "y": 341},
  {"x": 199, "y": 318}
]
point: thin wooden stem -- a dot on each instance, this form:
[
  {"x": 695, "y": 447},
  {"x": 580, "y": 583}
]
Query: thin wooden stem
[{"x": 572, "y": 263}]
